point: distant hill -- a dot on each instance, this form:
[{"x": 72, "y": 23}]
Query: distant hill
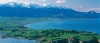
[{"x": 13, "y": 9}]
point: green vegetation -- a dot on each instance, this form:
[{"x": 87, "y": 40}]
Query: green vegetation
[
  {"x": 14, "y": 28},
  {"x": 48, "y": 35}
]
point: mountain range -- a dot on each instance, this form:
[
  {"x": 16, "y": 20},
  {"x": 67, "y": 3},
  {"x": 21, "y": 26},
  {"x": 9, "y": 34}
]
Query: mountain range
[{"x": 13, "y": 9}]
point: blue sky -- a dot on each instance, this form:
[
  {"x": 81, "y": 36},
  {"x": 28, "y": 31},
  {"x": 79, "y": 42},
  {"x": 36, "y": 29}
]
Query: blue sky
[{"x": 79, "y": 5}]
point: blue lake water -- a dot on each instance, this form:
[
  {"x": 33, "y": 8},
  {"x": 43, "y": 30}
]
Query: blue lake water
[{"x": 92, "y": 25}]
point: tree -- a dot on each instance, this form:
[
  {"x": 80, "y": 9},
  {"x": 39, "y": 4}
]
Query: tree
[{"x": 94, "y": 40}]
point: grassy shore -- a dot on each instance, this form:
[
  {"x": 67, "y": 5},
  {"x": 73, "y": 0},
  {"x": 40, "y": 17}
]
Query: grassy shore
[
  {"x": 48, "y": 35},
  {"x": 14, "y": 28}
]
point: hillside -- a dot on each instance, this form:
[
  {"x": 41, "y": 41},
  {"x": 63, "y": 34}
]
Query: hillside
[
  {"x": 51, "y": 35},
  {"x": 13, "y": 9}
]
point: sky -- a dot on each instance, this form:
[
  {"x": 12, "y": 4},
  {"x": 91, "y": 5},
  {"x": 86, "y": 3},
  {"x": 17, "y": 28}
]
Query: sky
[{"x": 78, "y": 5}]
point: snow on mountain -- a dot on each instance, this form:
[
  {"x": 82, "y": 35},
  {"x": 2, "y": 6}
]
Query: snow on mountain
[
  {"x": 14, "y": 4},
  {"x": 13, "y": 9}
]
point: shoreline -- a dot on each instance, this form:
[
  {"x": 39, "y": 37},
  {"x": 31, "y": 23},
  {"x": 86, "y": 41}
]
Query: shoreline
[
  {"x": 20, "y": 31},
  {"x": 27, "y": 26}
]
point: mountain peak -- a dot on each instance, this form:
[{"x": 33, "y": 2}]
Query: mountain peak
[
  {"x": 14, "y": 9},
  {"x": 14, "y": 4}
]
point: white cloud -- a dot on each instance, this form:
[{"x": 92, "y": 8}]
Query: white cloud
[
  {"x": 26, "y": 3},
  {"x": 4, "y": 1},
  {"x": 12, "y": 0},
  {"x": 18, "y": 1},
  {"x": 43, "y": 0},
  {"x": 60, "y": 1},
  {"x": 80, "y": 6}
]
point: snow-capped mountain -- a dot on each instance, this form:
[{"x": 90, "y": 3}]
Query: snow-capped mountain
[
  {"x": 13, "y": 9},
  {"x": 14, "y": 4}
]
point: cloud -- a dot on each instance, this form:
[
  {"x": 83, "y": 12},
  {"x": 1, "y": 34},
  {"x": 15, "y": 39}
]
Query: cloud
[
  {"x": 18, "y": 1},
  {"x": 4, "y": 1},
  {"x": 60, "y": 1},
  {"x": 80, "y": 6},
  {"x": 43, "y": 0},
  {"x": 27, "y": 3},
  {"x": 12, "y": 0},
  {"x": 95, "y": 9}
]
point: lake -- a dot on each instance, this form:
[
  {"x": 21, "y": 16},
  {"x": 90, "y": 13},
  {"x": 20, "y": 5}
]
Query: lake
[
  {"x": 92, "y": 25},
  {"x": 12, "y": 40}
]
